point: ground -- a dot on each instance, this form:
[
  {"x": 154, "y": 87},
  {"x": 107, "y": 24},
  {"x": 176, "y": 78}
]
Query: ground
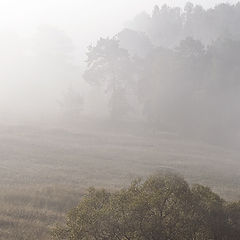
[{"x": 45, "y": 170}]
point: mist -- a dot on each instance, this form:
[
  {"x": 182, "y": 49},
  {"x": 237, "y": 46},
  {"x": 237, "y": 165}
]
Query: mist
[
  {"x": 43, "y": 51},
  {"x": 119, "y": 119}
]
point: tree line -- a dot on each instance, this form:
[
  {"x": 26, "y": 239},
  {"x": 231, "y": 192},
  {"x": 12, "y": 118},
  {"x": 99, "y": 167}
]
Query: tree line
[{"x": 190, "y": 86}]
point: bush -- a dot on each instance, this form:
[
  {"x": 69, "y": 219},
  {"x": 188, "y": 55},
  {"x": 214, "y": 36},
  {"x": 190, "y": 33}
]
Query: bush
[{"x": 162, "y": 207}]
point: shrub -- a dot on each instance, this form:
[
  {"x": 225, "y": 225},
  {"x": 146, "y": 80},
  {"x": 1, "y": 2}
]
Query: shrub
[{"x": 162, "y": 207}]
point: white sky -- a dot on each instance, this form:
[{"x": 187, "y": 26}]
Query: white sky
[{"x": 82, "y": 19}]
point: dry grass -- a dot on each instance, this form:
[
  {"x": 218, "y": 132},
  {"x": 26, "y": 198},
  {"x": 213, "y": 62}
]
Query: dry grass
[
  {"x": 44, "y": 171},
  {"x": 29, "y": 213}
]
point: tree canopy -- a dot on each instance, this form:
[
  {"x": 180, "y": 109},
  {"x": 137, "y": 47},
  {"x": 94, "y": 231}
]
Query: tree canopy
[{"x": 163, "y": 206}]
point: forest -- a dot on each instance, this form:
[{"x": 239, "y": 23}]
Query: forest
[{"x": 175, "y": 69}]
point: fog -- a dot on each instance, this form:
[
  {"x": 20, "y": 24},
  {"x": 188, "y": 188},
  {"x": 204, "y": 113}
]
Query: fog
[
  {"x": 33, "y": 82},
  {"x": 99, "y": 93},
  {"x": 165, "y": 65}
]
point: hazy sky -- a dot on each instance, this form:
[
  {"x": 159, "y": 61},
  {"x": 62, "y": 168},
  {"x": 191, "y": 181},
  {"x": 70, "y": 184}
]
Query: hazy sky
[{"x": 83, "y": 19}]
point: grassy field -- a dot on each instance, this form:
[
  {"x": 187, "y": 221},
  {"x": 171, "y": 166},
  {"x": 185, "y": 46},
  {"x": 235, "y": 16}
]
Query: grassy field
[{"x": 44, "y": 171}]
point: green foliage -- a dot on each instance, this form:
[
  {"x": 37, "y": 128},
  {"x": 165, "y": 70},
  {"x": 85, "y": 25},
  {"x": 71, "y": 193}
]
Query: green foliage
[{"x": 162, "y": 207}]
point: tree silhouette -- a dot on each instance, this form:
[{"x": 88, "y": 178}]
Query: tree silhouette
[{"x": 110, "y": 66}]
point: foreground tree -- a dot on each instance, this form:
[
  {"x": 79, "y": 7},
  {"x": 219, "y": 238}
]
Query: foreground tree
[{"x": 163, "y": 207}]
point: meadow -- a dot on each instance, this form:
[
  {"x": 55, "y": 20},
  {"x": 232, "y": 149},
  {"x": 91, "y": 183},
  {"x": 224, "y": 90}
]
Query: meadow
[{"x": 45, "y": 170}]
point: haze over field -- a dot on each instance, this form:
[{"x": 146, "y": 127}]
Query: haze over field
[{"x": 99, "y": 93}]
